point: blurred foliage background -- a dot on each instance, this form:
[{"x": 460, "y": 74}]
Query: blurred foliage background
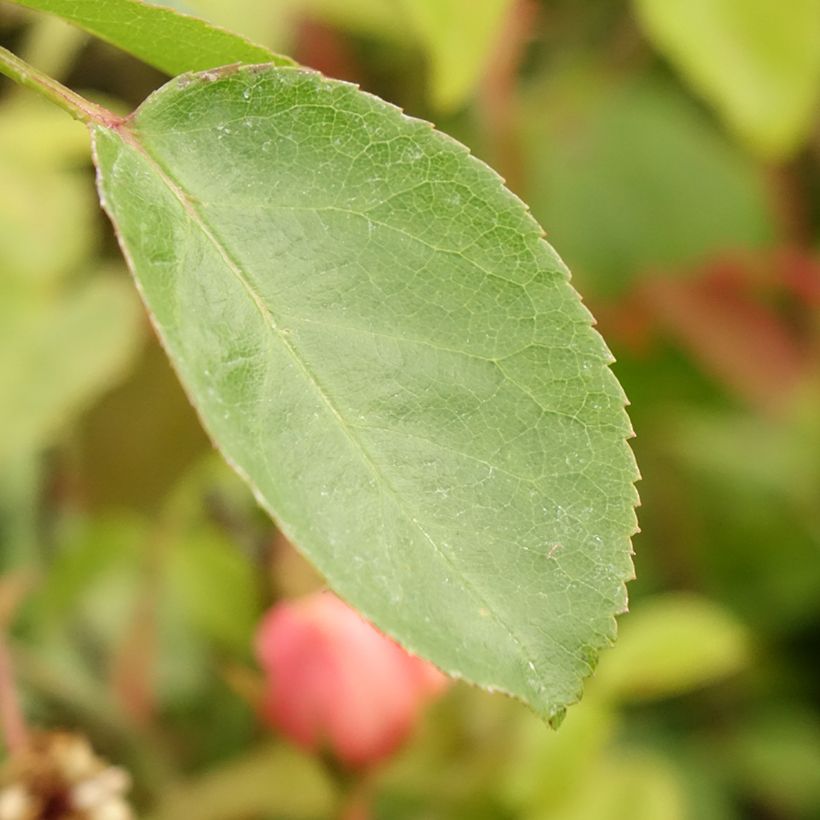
[{"x": 671, "y": 150}]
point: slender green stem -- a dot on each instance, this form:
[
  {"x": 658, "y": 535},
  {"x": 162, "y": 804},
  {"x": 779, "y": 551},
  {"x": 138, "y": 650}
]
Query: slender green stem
[{"x": 79, "y": 108}]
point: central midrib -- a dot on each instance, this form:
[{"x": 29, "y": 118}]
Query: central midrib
[{"x": 270, "y": 318}]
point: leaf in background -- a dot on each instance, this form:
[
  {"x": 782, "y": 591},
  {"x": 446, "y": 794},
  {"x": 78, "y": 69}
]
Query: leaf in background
[
  {"x": 37, "y": 135},
  {"x": 458, "y": 37},
  {"x": 46, "y": 226},
  {"x": 270, "y": 22},
  {"x": 47, "y": 213},
  {"x": 629, "y": 179},
  {"x": 758, "y": 479},
  {"x": 164, "y": 38},
  {"x": 732, "y": 332},
  {"x": 96, "y": 586},
  {"x": 756, "y": 61},
  {"x": 100, "y": 546},
  {"x": 545, "y": 770},
  {"x": 775, "y": 755},
  {"x": 379, "y": 339},
  {"x": 774, "y": 455},
  {"x": 272, "y": 780},
  {"x": 373, "y": 17},
  {"x": 20, "y": 507},
  {"x": 216, "y": 586},
  {"x": 632, "y": 784},
  {"x": 58, "y": 354},
  {"x": 671, "y": 644},
  {"x": 51, "y": 45}
]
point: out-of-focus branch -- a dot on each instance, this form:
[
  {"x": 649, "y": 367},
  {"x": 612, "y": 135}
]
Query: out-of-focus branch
[
  {"x": 15, "y": 732},
  {"x": 496, "y": 102}
]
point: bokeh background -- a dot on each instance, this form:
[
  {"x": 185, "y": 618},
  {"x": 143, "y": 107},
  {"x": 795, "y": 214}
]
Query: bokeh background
[{"x": 671, "y": 150}]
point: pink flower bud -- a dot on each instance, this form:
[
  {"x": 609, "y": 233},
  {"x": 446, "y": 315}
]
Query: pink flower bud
[{"x": 335, "y": 682}]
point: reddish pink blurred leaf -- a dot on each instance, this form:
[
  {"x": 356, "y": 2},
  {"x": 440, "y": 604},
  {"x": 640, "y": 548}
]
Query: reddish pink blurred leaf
[
  {"x": 733, "y": 332},
  {"x": 335, "y": 682},
  {"x": 801, "y": 273}
]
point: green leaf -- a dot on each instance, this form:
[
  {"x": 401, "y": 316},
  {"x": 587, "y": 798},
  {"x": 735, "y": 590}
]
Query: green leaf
[
  {"x": 672, "y": 644},
  {"x": 164, "y": 38},
  {"x": 775, "y": 755},
  {"x": 458, "y": 36},
  {"x": 59, "y": 353},
  {"x": 100, "y": 547},
  {"x": 756, "y": 61},
  {"x": 47, "y": 212},
  {"x": 216, "y": 586},
  {"x": 37, "y": 135},
  {"x": 631, "y": 178},
  {"x": 369, "y": 17},
  {"x": 547, "y": 769},
  {"x": 626, "y": 784},
  {"x": 270, "y": 780},
  {"x": 378, "y": 338},
  {"x": 275, "y": 22},
  {"x": 46, "y": 225}
]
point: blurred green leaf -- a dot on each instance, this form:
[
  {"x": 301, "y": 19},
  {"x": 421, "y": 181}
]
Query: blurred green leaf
[
  {"x": 753, "y": 483},
  {"x": 775, "y": 756},
  {"x": 458, "y": 37},
  {"x": 47, "y": 210},
  {"x": 784, "y": 447},
  {"x": 373, "y": 17},
  {"x": 629, "y": 179},
  {"x": 164, "y": 439},
  {"x": 20, "y": 487},
  {"x": 164, "y": 38},
  {"x": 52, "y": 45},
  {"x": 93, "y": 552},
  {"x": 58, "y": 354},
  {"x": 453, "y": 764},
  {"x": 272, "y": 780},
  {"x": 216, "y": 586},
  {"x": 268, "y": 22},
  {"x": 37, "y": 135},
  {"x": 625, "y": 786},
  {"x": 112, "y": 615},
  {"x": 394, "y": 358},
  {"x": 46, "y": 226},
  {"x": 756, "y": 61},
  {"x": 671, "y": 644},
  {"x": 549, "y": 768}
]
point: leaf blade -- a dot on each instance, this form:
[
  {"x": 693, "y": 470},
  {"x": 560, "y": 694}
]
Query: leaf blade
[
  {"x": 60, "y": 353},
  {"x": 162, "y": 37},
  {"x": 766, "y": 81},
  {"x": 434, "y": 470}
]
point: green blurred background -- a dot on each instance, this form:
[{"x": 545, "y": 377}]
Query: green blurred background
[{"x": 671, "y": 150}]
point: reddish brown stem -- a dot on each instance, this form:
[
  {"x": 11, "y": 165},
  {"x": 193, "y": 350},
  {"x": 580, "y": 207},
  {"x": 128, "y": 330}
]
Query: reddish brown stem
[
  {"x": 15, "y": 732},
  {"x": 497, "y": 99},
  {"x": 28, "y": 76}
]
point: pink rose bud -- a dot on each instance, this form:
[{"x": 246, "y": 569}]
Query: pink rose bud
[{"x": 335, "y": 682}]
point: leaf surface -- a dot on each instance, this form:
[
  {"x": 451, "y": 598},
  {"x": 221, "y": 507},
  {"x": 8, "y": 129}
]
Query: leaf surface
[
  {"x": 162, "y": 37},
  {"x": 756, "y": 61},
  {"x": 376, "y": 335}
]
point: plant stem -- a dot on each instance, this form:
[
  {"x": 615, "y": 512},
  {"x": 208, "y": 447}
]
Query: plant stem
[
  {"x": 12, "y": 723},
  {"x": 28, "y": 76}
]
